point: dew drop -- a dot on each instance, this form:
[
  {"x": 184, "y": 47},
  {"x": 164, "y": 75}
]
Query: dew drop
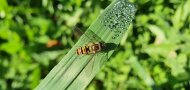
[{"x": 120, "y": 16}]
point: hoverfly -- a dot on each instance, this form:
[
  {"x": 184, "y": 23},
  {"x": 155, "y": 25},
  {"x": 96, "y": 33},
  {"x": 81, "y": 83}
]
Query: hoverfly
[
  {"x": 95, "y": 48},
  {"x": 92, "y": 47}
]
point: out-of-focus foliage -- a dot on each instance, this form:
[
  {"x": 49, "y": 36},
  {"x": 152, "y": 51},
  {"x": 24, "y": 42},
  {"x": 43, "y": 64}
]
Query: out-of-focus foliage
[
  {"x": 35, "y": 34},
  {"x": 156, "y": 53}
]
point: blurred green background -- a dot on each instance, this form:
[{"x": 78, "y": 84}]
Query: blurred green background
[{"x": 36, "y": 34}]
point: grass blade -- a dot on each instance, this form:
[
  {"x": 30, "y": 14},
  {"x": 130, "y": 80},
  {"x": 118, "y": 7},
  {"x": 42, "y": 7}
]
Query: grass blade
[{"x": 76, "y": 71}]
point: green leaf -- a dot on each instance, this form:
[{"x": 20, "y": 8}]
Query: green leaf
[
  {"x": 76, "y": 71},
  {"x": 3, "y": 7},
  {"x": 13, "y": 45},
  {"x": 35, "y": 78},
  {"x": 177, "y": 65},
  {"x": 141, "y": 72},
  {"x": 181, "y": 14},
  {"x": 160, "y": 36},
  {"x": 41, "y": 23},
  {"x": 164, "y": 50}
]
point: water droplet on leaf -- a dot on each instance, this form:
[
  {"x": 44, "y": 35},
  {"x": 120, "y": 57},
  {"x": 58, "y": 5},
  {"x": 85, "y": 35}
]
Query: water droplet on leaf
[{"x": 120, "y": 16}]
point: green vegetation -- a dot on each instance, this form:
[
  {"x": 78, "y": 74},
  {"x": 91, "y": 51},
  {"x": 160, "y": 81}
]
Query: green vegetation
[
  {"x": 74, "y": 72},
  {"x": 153, "y": 54}
]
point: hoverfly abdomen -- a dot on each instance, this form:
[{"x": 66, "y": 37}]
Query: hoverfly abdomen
[{"x": 81, "y": 50}]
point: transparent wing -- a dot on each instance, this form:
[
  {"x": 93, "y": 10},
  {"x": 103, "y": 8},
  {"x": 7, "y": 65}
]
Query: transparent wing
[
  {"x": 94, "y": 62},
  {"x": 90, "y": 66},
  {"x": 89, "y": 34},
  {"x": 77, "y": 31}
]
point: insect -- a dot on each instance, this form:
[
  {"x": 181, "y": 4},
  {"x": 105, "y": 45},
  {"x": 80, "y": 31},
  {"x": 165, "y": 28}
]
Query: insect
[
  {"x": 93, "y": 53},
  {"x": 92, "y": 47}
]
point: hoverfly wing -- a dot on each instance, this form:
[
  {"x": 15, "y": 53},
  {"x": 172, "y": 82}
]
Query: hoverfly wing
[
  {"x": 89, "y": 34},
  {"x": 93, "y": 62},
  {"x": 93, "y": 36},
  {"x": 103, "y": 59},
  {"x": 89, "y": 67},
  {"x": 77, "y": 32}
]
